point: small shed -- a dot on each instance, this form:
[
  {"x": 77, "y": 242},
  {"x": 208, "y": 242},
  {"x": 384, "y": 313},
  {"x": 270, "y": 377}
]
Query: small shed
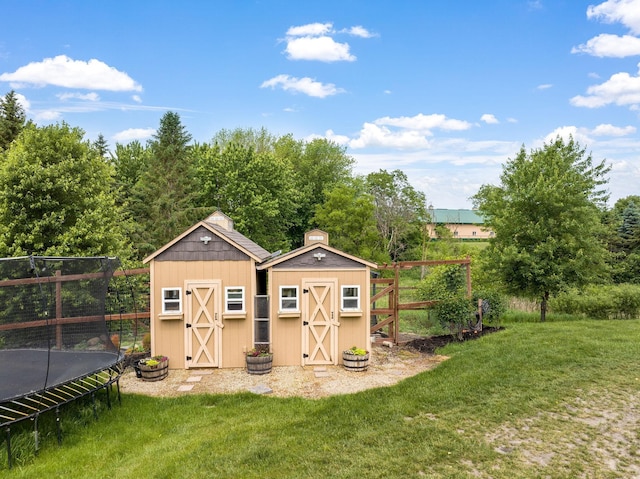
[
  {"x": 215, "y": 294},
  {"x": 320, "y": 302}
]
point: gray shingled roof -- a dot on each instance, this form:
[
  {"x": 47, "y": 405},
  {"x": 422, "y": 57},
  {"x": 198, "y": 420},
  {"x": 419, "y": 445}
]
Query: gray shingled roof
[{"x": 241, "y": 240}]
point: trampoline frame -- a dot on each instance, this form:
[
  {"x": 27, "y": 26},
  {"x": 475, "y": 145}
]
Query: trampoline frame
[{"x": 31, "y": 404}]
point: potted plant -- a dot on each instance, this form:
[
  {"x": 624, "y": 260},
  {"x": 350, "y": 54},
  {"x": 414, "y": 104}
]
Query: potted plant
[
  {"x": 259, "y": 360},
  {"x": 355, "y": 359},
  {"x": 154, "y": 368}
]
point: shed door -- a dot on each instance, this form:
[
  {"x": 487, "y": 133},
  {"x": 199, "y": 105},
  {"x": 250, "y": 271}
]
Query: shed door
[
  {"x": 319, "y": 331},
  {"x": 203, "y": 328}
]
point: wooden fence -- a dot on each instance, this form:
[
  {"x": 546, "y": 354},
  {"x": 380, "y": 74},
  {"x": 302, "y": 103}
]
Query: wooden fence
[{"x": 389, "y": 317}]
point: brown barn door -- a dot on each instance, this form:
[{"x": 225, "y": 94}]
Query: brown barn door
[
  {"x": 319, "y": 322},
  {"x": 203, "y": 328}
]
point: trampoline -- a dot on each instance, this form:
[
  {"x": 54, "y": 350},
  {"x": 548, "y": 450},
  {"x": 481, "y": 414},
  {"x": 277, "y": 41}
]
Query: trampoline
[{"x": 55, "y": 343}]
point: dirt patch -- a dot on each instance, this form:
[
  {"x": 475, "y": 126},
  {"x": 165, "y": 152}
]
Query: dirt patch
[{"x": 430, "y": 344}]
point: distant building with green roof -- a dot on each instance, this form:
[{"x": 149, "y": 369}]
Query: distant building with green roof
[{"x": 463, "y": 224}]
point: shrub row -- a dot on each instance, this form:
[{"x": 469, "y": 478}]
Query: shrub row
[{"x": 621, "y": 301}]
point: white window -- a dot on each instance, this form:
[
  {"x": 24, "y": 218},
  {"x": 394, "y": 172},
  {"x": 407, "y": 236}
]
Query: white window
[
  {"x": 289, "y": 298},
  {"x": 351, "y": 298},
  {"x": 171, "y": 300},
  {"x": 234, "y": 302}
]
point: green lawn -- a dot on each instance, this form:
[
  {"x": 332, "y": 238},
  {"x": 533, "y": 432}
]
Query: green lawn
[{"x": 551, "y": 400}]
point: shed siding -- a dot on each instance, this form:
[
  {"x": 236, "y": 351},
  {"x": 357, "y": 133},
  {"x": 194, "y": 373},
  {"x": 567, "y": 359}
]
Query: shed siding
[
  {"x": 286, "y": 329},
  {"x": 168, "y": 336}
]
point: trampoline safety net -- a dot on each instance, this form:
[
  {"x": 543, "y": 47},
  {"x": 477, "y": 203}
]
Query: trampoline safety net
[{"x": 53, "y": 328}]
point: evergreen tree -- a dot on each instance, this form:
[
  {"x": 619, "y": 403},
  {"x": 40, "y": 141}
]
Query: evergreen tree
[
  {"x": 12, "y": 119},
  {"x": 101, "y": 146},
  {"x": 166, "y": 194}
]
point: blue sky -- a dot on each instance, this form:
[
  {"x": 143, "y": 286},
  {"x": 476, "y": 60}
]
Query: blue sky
[{"x": 446, "y": 91}]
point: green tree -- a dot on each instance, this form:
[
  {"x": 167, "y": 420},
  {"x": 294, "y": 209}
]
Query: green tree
[
  {"x": 129, "y": 162},
  {"x": 12, "y": 119},
  {"x": 348, "y": 216},
  {"x": 400, "y": 210},
  {"x": 166, "y": 194},
  {"x": 547, "y": 218},
  {"x": 56, "y": 197},
  {"x": 256, "y": 189},
  {"x": 101, "y": 145},
  {"x": 318, "y": 166},
  {"x": 623, "y": 222}
]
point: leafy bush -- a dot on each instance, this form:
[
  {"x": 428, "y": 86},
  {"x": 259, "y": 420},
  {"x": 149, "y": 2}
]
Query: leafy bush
[
  {"x": 454, "y": 312},
  {"x": 494, "y": 304},
  {"x": 600, "y": 301},
  {"x": 442, "y": 282}
]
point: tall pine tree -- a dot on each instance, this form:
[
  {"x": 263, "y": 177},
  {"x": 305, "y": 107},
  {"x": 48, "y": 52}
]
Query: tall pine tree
[
  {"x": 12, "y": 119},
  {"x": 165, "y": 196}
]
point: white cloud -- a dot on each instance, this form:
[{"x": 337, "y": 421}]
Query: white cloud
[
  {"x": 512, "y": 120},
  {"x": 359, "y": 31},
  {"x": 324, "y": 49},
  {"x": 626, "y": 12},
  {"x": 23, "y": 102},
  {"x": 606, "y": 45},
  {"x": 134, "y": 134},
  {"x": 388, "y": 92},
  {"x": 339, "y": 139},
  {"x": 424, "y": 123},
  {"x": 79, "y": 96},
  {"x": 305, "y": 85},
  {"x": 565, "y": 132},
  {"x": 374, "y": 135},
  {"x": 610, "y": 130},
  {"x": 621, "y": 89},
  {"x": 544, "y": 86},
  {"x": 65, "y": 72},
  {"x": 47, "y": 115},
  {"x": 489, "y": 119},
  {"x": 136, "y": 98},
  {"x": 311, "y": 29},
  {"x": 315, "y": 41}
]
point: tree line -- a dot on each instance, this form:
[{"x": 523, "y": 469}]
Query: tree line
[{"x": 61, "y": 194}]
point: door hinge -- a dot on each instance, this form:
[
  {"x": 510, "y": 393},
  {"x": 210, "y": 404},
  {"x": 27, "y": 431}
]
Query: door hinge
[
  {"x": 188, "y": 292},
  {"x": 188, "y": 325},
  {"x": 305, "y": 355},
  {"x": 305, "y": 290},
  {"x": 188, "y": 358},
  {"x": 305, "y": 323}
]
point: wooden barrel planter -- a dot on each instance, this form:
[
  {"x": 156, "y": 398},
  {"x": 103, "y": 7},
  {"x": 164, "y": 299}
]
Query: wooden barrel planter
[
  {"x": 153, "y": 373},
  {"x": 355, "y": 362},
  {"x": 259, "y": 364}
]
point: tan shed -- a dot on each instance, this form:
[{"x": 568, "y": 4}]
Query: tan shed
[
  {"x": 319, "y": 303},
  {"x": 215, "y": 294}
]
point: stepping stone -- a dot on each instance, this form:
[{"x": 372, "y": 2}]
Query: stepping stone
[
  {"x": 322, "y": 374},
  {"x": 319, "y": 369},
  {"x": 194, "y": 379},
  {"x": 185, "y": 387},
  {"x": 205, "y": 373},
  {"x": 261, "y": 389}
]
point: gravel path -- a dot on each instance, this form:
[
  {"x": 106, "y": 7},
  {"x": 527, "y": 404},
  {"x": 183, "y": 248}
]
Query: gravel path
[{"x": 387, "y": 366}]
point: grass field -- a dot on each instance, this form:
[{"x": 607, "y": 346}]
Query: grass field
[{"x": 558, "y": 400}]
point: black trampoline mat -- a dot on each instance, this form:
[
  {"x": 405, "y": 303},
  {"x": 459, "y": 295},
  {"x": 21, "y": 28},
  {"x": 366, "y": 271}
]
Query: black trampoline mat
[{"x": 24, "y": 371}]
